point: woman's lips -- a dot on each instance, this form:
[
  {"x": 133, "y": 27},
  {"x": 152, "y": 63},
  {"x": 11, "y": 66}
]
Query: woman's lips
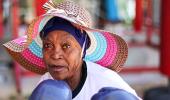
[{"x": 57, "y": 68}]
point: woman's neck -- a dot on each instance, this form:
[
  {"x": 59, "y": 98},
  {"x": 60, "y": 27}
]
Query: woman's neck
[{"x": 74, "y": 81}]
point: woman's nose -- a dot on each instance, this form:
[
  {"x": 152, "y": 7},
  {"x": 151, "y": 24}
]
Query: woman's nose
[{"x": 57, "y": 53}]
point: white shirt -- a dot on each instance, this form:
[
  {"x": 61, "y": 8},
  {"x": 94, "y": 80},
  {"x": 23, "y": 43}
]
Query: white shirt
[{"x": 97, "y": 78}]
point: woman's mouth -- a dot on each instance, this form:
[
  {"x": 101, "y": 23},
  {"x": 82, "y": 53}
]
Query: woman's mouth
[{"x": 57, "y": 68}]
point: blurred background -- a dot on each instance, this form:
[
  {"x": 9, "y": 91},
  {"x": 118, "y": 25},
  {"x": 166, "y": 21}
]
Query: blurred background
[{"x": 144, "y": 24}]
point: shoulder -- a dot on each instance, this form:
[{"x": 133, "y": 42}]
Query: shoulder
[
  {"x": 104, "y": 75},
  {"x": 45, "y": 77},
  {"x": 96, "y": 69},
  {"x": 100, "y": 77}
]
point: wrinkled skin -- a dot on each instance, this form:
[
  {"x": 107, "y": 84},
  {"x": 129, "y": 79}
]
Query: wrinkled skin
[{"x": 62, "y": 56}]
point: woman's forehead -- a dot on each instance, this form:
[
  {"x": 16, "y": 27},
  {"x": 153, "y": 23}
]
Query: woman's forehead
[{"x": 59, "y": 34}]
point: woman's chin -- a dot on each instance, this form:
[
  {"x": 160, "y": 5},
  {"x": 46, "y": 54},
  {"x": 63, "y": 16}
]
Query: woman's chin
[{"x": 58, "y": 77}]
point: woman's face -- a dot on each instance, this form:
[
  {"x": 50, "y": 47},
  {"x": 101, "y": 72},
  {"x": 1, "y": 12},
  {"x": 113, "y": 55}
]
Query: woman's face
[{"x": 61, "y": 54}]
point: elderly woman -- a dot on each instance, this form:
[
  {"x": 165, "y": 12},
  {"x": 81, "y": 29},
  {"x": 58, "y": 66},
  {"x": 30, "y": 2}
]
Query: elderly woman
[{"x": 62, "y": 45}]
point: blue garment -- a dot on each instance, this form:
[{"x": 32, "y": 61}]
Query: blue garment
[
  {"x": 112, "y": 13},
  {"x": 52, "y": 90}
]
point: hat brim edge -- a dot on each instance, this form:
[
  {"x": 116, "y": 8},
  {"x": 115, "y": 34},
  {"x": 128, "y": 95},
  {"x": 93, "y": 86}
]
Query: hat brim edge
[
  {"x": 24, "y": 63},
  {"x": 122, "y": 54}
]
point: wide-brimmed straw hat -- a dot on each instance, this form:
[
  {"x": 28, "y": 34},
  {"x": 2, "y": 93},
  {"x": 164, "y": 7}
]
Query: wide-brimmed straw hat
[{"x": 106, "y": 48}]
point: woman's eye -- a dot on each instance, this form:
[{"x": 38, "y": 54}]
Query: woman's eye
[
  {"x": 65, "y": 46},
  {"x": 47, "y": 45}
]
